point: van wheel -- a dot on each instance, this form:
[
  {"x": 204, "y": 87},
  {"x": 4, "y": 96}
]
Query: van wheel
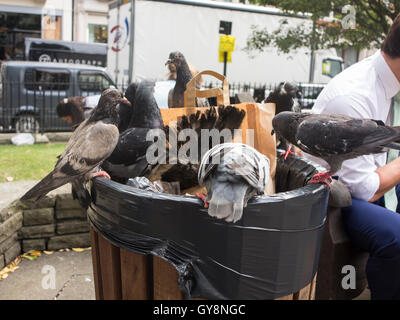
[{"x": 26, "y": 123}]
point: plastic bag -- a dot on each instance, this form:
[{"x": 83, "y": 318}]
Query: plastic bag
[{"x": 22, "y": 139}]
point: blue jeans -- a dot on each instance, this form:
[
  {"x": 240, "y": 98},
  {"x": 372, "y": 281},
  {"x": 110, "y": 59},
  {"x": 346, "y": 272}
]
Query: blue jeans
[{"x": 375, "y": 229}]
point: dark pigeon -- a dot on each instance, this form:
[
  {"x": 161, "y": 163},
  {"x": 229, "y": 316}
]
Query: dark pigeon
[
  {"x": 240, "y": 173},
  {"x": 334, "y": 137},
  {"x": 129, "y": 157},
  {"x": 91, "y": 143},
  {"x": 286, "y": 97},
  {"x": 221, "y": 118},
  {"x": 183, "y": 76}
]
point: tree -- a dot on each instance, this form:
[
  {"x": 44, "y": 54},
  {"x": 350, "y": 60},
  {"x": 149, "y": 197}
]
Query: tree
[
  {"x": 332, "y": 22},
  {"x": 337, "y": 24}
]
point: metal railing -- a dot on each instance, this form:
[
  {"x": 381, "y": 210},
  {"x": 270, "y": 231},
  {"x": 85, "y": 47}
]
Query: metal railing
[{"x": 31, "y": 106}]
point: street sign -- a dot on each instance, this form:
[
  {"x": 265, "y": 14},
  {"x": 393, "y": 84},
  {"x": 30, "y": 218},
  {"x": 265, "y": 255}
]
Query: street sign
[
  {"x": 225, "y": 27},
  {"x": 226, "y": 44}
]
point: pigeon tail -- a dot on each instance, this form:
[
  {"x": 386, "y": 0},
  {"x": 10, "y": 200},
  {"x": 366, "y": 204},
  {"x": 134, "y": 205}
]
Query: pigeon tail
[
  {"x": 80, "y": 193},
  {"x": 43, "y": 187}
]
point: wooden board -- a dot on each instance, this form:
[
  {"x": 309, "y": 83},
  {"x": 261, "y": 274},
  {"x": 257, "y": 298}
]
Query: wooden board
[
  {"x": 135, "y": 276},
  {"x": 165, "y": 281},
  {"x": 96, "y": 264},
  {"x": 110, "y": 270}
]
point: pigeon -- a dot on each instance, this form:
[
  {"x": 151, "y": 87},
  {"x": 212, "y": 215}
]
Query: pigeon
[
  {"x": 285, "y": 97},
  {"x": 91, "y": 143},
  {"x": 128, "y": 159},
  {"x": 74, "y": 110},
  {"x": 335, "y": 137},
  {"x": 186, "y": 172},
  {"x": 183, "y": 76},
  {"x": 237, "y": 173}
]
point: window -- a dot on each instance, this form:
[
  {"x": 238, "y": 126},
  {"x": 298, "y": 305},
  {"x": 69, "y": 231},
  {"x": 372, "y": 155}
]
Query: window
[
  {"x": 43, "y": 79},
  {"x": 93, "y": 82},
  {"x": 98, "y": 33}
]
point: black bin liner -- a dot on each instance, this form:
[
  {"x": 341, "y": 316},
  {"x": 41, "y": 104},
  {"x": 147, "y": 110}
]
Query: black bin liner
[{"x": 271, "y": 252}]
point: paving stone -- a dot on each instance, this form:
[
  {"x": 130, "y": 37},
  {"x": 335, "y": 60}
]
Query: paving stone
[
  {"x": 73, "y": 226},
  {"x": 38, "y": 216},
  {"x": 6, "y": 244},
  {"x": 2, "y": 262},
  {"x": 33, "y": 244},
  {"x": 48, "y": 201},
  {"x": 12, "y": 252},
  {"x": 70, "y": 213},
  {"x": 7, "y": 213},
  {"x": 10, "y": 226},
  {"x": 65, "y": 201},
  {"x": 79, "y": 240},
  {"x": 34, "y": 232}
]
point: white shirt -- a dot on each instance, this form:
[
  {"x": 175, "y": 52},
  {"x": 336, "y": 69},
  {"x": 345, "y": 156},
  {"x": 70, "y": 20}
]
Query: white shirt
[{"x": 364, "y": 90}]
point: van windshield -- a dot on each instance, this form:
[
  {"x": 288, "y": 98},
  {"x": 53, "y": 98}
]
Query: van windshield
[{"x": 93, "y": 82}]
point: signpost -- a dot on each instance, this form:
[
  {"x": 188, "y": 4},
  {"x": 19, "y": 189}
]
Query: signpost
[{"x": 226, "y": 43}]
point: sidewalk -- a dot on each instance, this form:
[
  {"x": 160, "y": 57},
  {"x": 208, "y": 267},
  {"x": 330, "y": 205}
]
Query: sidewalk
[{"x": 34, "y": 279}]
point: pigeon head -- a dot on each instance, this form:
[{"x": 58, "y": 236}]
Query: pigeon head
[
  {"x": 286, "y": 123},
  {"x": 177, "y": 59},
  {"x": 131, "y": 92},
  {"x": 290, "y": 89},
  {"x": 107, "y": 108}
]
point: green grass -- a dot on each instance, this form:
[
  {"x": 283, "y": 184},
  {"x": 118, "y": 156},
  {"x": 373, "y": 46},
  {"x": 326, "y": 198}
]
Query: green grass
[{"x": 28, "y": 162}]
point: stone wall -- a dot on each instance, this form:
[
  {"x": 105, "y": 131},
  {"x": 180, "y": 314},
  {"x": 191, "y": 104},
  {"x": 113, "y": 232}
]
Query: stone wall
[{"x": 55, "y": 222}]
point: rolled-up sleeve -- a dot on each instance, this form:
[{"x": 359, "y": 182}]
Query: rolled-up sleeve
[
  {"x": 360, "y": 177},
  {"x": 358, "y": 174}
]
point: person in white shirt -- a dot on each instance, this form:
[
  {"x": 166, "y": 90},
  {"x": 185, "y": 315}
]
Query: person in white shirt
[{"x": 367, "y": 90}]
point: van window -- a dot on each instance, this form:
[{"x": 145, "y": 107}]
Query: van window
[
  {"x": 93, "y": 82},
  {"x": 42, "y": 79}
]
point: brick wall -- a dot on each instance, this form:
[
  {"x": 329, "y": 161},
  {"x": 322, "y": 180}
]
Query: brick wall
[{"x": 55, "y": 222}]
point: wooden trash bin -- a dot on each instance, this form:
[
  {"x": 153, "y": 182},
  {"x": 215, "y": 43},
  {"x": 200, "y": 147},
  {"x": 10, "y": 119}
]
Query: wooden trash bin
[
  {"x": 120, "y": 274},
  {"x": 148, "y": 245},
  {"x": 129, "y": 265}
]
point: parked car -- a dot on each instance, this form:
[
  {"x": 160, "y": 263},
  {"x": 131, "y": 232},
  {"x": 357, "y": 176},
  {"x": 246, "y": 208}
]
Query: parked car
[
  {"x": 30, "y": 91},
  {"x": 310, "y": 93}
]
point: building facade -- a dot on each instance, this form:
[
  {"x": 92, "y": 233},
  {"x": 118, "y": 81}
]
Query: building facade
[{"x": 77, "y": 20}]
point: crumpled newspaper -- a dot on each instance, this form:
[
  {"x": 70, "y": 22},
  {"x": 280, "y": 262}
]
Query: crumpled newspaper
[{"x": 157, "y": 186}]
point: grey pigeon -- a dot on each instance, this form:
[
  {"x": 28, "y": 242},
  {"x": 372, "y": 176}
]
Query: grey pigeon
[
  {"x": 183, "y": 76},
  {"x": 335, "y": 137},
  {"x": 91, "y": 143},
  {"x": 237, "y": 173}
]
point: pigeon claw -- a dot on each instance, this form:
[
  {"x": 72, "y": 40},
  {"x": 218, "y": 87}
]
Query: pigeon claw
[
  {"x": 101, "y": 174},
  {"x": 203, "y": 197},
  {"x": 286, "y": 153},
  {"x": 322, "y": 177}
]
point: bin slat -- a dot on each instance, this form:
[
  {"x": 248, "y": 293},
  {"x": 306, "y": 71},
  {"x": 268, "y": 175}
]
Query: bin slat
[
  {"x": 165, "y": 279},
  {"x": 135, "y": 276},
  {"x": 96, "y": 264},
  {"x": 110, "y": 269}
]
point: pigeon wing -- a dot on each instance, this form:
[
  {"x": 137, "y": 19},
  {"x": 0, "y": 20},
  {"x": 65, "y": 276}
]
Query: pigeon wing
[{"x": 329, "y": 135}]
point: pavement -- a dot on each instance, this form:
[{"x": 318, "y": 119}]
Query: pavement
[
  {"x": 32, "y": 280},
  {"x": 65, "y": 275}
]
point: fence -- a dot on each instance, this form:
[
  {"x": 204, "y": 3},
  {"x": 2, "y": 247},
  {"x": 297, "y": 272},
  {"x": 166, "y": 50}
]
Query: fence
[{"x": 31, "y": 106}]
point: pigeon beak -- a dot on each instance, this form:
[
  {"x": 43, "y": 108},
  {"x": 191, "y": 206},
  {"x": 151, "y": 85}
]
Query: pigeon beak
[
  {"x": 125, "y": 100},
  {"x": 169, "y": 61}
]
